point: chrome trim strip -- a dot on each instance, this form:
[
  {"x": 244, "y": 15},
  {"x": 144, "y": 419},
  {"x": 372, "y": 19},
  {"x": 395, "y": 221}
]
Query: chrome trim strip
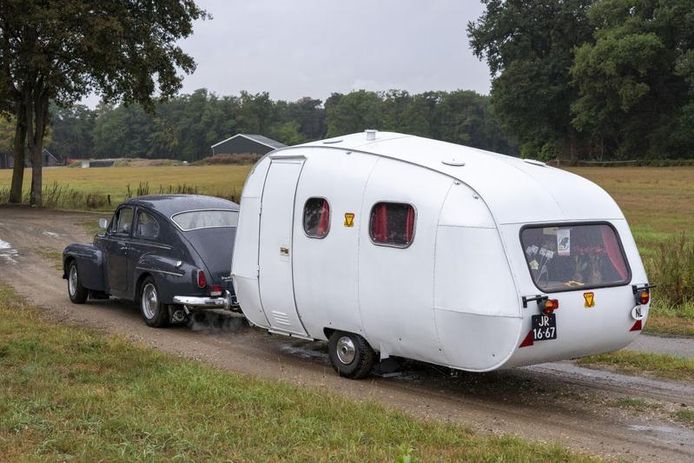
[{"x": 145, "y": 269}]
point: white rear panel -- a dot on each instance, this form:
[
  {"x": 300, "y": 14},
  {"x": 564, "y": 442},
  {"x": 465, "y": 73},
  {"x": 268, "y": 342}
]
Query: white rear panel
[{"x": 581, "y": 330}]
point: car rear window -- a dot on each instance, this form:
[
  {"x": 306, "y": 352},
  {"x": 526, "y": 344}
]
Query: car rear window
[
  {"x": 568, "y": 257},
  {"x": 195, "y": 220}
]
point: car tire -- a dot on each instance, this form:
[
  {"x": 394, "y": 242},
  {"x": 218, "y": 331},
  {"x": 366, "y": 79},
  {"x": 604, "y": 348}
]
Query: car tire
[
  {"x": 153, "y": 311},
  {"x": 350, "y": 355},
  {"x": 78, "y": 294}
]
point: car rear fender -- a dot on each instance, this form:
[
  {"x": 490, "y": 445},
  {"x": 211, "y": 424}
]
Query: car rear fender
[
  {"x": 90, "y": 265},
  {"x": 174, "y": 277}
]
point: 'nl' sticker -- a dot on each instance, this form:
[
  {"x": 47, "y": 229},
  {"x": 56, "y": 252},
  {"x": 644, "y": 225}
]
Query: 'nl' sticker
[{"x": 564, "y": 241}]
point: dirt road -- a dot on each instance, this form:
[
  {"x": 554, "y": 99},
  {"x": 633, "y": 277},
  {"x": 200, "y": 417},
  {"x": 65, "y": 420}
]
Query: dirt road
[{"x": 558, "y": 402}]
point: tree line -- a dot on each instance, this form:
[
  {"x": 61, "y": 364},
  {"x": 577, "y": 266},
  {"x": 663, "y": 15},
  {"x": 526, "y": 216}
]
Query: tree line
[
  {"x": 591, "y": 79},
  {"x": 185, "y": 126},
  {"x": 571, "y": 79}
]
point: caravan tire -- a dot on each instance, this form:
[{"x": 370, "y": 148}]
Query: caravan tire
[{"x": 351, "y": 356}]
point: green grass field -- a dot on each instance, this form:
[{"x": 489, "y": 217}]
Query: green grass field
[
  {"x": 657, "y": 201},
  {"x": 68, "y": 394},
  {"x": 74, "y": 186}
]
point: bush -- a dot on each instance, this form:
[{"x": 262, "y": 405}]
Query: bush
[
  {"x": 244, "y": 158},
  {"x": 672, "y": 270}
]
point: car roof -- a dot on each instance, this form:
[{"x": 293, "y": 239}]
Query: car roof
[{"x": 169, "y": 205}]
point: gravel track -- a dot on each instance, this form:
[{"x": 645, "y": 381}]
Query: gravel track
[{"x": 556, "y": 402}]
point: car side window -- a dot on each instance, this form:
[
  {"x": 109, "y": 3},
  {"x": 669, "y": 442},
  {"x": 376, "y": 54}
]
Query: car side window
[
  {"x": 147, "y": 226},
  {"x": 392, "y": 224},
  {"x": 316, "y": 217},
  {"x": 122, "y": 221}
]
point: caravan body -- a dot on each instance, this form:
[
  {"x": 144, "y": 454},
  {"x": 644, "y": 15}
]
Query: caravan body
[{"x": 435, "y": 252}]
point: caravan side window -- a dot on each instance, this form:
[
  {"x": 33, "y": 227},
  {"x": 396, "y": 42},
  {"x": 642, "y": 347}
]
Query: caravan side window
[
  {"x": 316, "y": 217},
  {"x": 392, "y": 224}
]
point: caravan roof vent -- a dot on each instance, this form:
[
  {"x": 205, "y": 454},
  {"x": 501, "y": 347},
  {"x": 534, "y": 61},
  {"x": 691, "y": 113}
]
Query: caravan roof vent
[
  {"x": 371, "y": 134},
  {"x": 535, "y": 162},
  {"x": 454, "y": 162}
]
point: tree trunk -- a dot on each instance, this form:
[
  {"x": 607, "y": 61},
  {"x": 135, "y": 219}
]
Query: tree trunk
[
  {"x": 19, "y": 145},
  {"x": 36, "y": 148}
]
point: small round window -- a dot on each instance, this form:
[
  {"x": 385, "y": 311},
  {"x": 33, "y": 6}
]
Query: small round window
[{"x": 316, "y": 217}]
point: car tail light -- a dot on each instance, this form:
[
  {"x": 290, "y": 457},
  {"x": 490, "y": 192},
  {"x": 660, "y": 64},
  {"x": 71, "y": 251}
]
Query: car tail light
[
  {"x": 550, "y": 306},
  {"x": 215, "y": 290},
  {"x": 644, "y": 296},
  {"x": 202, "y": 280}
]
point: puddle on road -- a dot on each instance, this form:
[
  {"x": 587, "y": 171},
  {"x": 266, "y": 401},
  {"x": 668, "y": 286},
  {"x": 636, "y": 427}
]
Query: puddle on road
[
  {"x": 672, "y": 434},
  {"x": 8, "y": 253}
]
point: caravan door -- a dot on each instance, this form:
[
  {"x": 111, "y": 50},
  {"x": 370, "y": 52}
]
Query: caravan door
[{"x": 275, "y": 253}]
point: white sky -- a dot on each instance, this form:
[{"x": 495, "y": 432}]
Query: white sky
[{"x": 315, "y": 47}]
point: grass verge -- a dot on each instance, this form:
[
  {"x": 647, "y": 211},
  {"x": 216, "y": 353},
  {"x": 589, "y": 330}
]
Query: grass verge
[
  {"x": 69, "y": 394},
  {"x": 685, "y": 416},
  {"x": 667, "y": 319},
  {"x": 661, "y": 365}
]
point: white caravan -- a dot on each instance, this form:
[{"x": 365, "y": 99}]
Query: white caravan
[{"x": 394, "y": 245}]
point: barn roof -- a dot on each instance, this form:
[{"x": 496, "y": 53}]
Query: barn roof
[
  {"x": 516, "y": 190},
  {"x": 269, "y": 142}
]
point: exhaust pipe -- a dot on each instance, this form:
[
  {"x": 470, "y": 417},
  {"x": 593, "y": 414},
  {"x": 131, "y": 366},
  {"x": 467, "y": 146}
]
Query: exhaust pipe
[{"x": 178, "y": 316}]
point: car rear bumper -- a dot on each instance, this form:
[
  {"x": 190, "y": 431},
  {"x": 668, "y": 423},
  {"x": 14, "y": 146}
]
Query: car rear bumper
[{"x": 228, "y": 301}]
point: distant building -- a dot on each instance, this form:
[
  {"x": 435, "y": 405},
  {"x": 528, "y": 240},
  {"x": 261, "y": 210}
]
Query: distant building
[
  {"x": 5, "y": 160},
  {"x": 49, "y": 160},
  {"x": 243, "y": 143}
]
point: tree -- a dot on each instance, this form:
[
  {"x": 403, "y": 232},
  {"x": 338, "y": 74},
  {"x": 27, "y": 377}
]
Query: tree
[
  {"x": 62, "y": 50},
  {"x": 635, "y": 81},
  {"x": 529, "y": 47},
  {"x": 353, "y": 112},
  {"x": 73, "y": 129}
]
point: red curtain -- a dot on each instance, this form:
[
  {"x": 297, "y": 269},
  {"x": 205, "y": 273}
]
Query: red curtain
[
  {"x": 613, "y": 252},
  {"x": 409, "y": 224},
  {"x": 379, "y": 223},
  {"x": 324, "y": 221}
]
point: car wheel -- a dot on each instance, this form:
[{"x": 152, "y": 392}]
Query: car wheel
[
  {"x": 78, "y": 293},
  {"x": 153, "y": 311},
  {"x": 350, "y": 355}
]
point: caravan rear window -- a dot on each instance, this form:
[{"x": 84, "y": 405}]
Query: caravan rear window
[
  {"x": 392, "y": 224},
  {"x": 569, "y": 257}
]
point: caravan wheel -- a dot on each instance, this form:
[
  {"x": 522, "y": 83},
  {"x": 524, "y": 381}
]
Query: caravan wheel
[{"x": 350, "y": 355}]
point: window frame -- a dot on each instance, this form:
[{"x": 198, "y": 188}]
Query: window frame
[
  {"x": 388, "y": 245},
  {"x": 116, "y": 218},
  {"x": 137, "y": 225},
  {"x": 330, "y": 218},
  {"x": 626, "y": 282}
]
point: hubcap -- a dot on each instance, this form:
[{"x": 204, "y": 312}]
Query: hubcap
[
  {"x": 72, "y": 280},
  {"x": 149, "y": 301},
  {"x": 346, "y": 350}
]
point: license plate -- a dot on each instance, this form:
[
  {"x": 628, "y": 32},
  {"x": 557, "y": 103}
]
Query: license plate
[{"x": 544, "y": 327}]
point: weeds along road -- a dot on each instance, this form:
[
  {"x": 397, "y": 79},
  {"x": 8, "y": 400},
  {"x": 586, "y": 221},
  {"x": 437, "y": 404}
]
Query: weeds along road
[{"x": 557, "y": 402}]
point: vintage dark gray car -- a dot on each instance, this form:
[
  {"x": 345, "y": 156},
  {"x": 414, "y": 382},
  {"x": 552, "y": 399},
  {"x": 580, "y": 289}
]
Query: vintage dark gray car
[{"x": 170, "y": 253}]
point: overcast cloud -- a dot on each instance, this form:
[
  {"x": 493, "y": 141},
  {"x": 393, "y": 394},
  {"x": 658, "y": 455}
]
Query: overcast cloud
[{"x": 315, "y": 47}]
